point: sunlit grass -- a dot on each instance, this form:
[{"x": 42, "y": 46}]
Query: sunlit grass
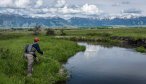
[
  {"x": 132, "y": 32},
  {"x": 13, "y": 65}
]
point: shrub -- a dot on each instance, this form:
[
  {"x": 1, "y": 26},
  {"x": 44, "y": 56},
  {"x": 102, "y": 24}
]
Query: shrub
[
  {"x": 62, "y": 32},
  {"x": 99, "y": 34},
  {"x": 30, "y": 29},
  {"x": 50, "y": 32},
  {"x": 37, "y": 30}
]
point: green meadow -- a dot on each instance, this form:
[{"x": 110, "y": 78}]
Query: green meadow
[
  {"x": 88, "y": 32},
  {"x": 57, "y": 50},
  {"x": 125, "y": 37},
  {"x": 13, "y": 66}
]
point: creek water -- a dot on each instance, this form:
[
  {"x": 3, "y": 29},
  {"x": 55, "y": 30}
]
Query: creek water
[{"x": 106, "y": 65}]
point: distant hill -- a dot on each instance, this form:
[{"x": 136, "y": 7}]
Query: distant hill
[{"x": 10, "y": 20}]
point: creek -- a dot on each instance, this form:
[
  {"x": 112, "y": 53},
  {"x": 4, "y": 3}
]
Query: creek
[{"x": 106, "y": 65}]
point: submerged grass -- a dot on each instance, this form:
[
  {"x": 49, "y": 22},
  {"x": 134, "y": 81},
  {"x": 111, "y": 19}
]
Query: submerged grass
[{"x": 13, "y": 65}]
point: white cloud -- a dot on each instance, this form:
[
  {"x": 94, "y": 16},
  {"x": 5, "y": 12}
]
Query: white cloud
[
  {"x": 60, "y": 3},
  {"x": 39, "y": 9},
  {"x": 22, "y": 3},
  {"x": 39, "y": 3},
  {"x": 6, "y": 3},
  {"x": 68, "y": 8},
  {"x": 90, "y": 9}
]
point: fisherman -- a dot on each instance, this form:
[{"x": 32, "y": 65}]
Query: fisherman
[{"x": 30, "y": 54}]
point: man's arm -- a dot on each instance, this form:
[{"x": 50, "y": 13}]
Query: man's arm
[{"x": 37, "y": 47}]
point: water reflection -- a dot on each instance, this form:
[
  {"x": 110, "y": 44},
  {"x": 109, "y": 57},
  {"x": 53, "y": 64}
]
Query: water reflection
[{"x": 101, "y": 65}]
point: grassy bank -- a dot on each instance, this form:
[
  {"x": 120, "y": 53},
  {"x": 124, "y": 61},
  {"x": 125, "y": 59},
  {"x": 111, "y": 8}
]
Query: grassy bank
[
  {"x": 13, "y": 65},
  {"x": 134, "y": 37},
  {"x": 124, "y": 32}
]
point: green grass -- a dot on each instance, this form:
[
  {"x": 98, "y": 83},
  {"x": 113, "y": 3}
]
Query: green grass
[
  {"x": 141, "y": 49},
  {"x": 116, "y": 36},
  {"x": 13, "y": 65},
  {"x": 130, "y": 32}
]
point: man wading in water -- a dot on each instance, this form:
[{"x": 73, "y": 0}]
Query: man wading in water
[{"x": 30, "y": 55}]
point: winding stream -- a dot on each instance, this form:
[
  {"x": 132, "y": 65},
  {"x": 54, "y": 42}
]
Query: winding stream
[{"x": 103, "y": 65}]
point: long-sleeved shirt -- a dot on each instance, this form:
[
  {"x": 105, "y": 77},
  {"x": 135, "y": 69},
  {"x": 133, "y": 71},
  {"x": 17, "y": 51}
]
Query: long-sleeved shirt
[{"x": 34, "y": 47}]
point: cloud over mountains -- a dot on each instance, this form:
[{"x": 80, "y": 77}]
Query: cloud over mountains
[{"x": 65, "y": 8}]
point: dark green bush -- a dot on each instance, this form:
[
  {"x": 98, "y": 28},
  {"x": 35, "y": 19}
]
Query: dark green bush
[{"x": 50, "y": 32}]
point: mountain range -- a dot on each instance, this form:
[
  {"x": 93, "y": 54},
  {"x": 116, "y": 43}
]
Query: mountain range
[{"x": 13, "y": 20}]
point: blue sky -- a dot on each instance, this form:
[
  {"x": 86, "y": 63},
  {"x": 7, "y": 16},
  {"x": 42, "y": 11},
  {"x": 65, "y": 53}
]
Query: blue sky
[{"x": 74, "y": 8}]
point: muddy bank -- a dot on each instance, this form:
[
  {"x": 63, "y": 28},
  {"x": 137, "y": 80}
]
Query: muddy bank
[
  {"x": 83, "y": 38},
  {"x": 131, "y": 41}
]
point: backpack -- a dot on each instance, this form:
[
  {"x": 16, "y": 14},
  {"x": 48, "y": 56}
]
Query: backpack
[{"x": 28, "y": 48}]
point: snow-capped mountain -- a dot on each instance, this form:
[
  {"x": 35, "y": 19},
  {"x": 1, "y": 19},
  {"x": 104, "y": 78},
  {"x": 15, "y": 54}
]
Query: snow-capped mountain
[{"x": 12, "y": 20}]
